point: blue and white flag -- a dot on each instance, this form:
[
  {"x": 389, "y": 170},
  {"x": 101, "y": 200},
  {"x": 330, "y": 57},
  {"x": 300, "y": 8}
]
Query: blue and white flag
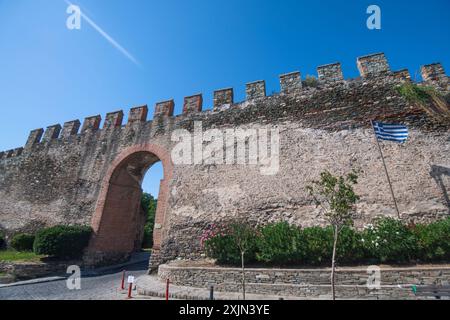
[{"x": 391, "y": 132}]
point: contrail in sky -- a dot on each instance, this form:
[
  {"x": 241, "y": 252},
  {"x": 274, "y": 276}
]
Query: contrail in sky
[{"x": 113, "y": 42}]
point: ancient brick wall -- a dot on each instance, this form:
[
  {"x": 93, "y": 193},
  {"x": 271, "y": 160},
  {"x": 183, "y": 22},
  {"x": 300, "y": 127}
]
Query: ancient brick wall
[{"x": 93, "y": 176}]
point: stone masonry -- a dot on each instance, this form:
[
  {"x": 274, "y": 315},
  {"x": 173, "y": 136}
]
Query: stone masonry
[
  {"x": 66, "y": 176},
  {"x": 395, "y": 283}
]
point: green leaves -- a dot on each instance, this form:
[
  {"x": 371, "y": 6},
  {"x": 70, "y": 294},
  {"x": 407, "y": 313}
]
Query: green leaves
[
  {"x": 389, "y": 240},
  {"x": 148, "y": 203},
  {"x": 386, "y": 240},
  {"x": 62, "y": 241},
  {"x": 280, "y": 243},
  {"x": 228, "y": 242},
  {"x": 414, "y": 93},
  {"x": 335, "y": 196},
  {"x": 22, "y": 242},
  {"x": 434, "y": 240}
]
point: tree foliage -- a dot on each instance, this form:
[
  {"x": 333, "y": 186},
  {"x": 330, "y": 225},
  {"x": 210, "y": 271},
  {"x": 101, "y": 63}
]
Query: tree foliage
[
  {"x": 336, "y": 197},
  {"x": 148, "y": 203}
]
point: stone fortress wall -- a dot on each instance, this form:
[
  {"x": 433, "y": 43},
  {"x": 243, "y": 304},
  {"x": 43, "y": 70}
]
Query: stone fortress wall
[{"x": 64, "y": 175}]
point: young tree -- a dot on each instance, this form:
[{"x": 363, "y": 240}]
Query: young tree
[
  {"x": 336, "y": 198},
  {"x": 244, "y": 237}
]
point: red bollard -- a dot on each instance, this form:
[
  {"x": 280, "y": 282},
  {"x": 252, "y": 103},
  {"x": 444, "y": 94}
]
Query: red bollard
[
  {"x": 167, "y": 289},
  {"x": 129, "y": 291},
  {"x": 123, "y": 281}
]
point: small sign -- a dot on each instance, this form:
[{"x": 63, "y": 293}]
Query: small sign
[{"x": 130, "y": 279}]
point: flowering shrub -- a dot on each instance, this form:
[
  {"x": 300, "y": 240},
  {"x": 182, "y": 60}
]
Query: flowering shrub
[
  {"x": 389, "y": 240},
  {"x": 210, "y": 233},
  {"x": 386, "y": 240}
]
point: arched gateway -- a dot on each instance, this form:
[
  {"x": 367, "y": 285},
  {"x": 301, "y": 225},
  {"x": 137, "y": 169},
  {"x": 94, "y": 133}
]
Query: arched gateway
[
  {"x": 117, "y": 221},
  {"x": 92, "y": 176}
]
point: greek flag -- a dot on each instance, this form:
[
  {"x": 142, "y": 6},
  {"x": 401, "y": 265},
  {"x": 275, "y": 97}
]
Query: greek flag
[{"x": 391, "y": 132}]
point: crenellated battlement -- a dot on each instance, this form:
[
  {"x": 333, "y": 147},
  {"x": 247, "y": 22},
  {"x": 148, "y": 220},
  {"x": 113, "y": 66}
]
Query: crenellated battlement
[
  {"x": 90, "y": 171},
  {"x": 374, "y": 67}
]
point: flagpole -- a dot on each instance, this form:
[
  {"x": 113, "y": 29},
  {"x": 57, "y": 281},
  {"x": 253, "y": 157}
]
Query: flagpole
[{"x": 385, "y": 170}]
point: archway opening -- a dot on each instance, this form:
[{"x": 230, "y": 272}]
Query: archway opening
[
  {"x": 120, "y": 218},
  {"x": 149, "y": 202}
]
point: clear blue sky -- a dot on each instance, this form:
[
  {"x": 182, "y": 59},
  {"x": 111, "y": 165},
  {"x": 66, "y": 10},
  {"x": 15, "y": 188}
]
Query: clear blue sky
[{"x": 49, "y": 74}]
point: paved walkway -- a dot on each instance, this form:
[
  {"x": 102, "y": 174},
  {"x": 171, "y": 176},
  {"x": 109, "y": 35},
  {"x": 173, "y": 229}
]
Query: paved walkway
[
  {"x": 93, "y": 287},
  {"x": 150, "y": 285}
]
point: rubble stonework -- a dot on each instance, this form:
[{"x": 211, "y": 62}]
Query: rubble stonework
[
  {"x": 93, "y": 177},
  {"x": 352, "y": 283}
]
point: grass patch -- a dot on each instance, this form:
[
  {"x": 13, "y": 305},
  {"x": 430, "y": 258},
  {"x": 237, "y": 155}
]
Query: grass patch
[
  {"x": 17, "y": 256},
  {"x": 428, "y": 98},
  {"x": 415, "y": 93}
]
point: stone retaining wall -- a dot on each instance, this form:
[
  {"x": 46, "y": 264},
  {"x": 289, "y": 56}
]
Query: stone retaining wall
[
  {"x": 351, "y": 282},
  {"x": 32, "y": 270}
]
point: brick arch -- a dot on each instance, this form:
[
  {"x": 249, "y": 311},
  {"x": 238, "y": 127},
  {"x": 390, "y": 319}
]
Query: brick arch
[{"x": 116, "y": 216}]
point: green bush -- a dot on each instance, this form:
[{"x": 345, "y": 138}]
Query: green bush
[
  {"x": 221, "y": 243},
  {"x": 319, "y": 245},
  {"x": 22, "y": 242},
  {"x": 280, "y": 243},
  {"x": 434, "y": 240},
  {"x": 389, "y": 240},
  {"x": 350, "y": 248},
  {"x": 223, "y": 248},
  {"x": 62, "y": 241}
]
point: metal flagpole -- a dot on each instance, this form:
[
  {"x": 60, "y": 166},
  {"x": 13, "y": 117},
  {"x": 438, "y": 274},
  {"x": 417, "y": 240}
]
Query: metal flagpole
[{"x": 385, "y": 169}]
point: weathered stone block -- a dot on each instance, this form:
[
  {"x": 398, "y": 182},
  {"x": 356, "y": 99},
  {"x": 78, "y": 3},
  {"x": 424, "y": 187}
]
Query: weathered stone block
[
  {"x": 17, "y": 152},
  {"x": 290, "y": 82},
  {"x": 433, "y": 72},
  {"x": 34, "y": 138},
  {"x": 138, "y": 114},
  {"x": 113, "y": 120},
  {"x": 165, "y": 108},
  {"x": 52, "y": 132},
  {"x": 9, "y": 153},
  {"x": 91, "y": 124},
  {"x": 255, "y": 90},
  {"x": 330, "y": 72},
  {"x": 193, "y": 104},
  {"x": 373, "y": 65},
  {"x": 223, "y": 97},
  {"x": 70, "y": 128},
  {"x": 402, "y": 75}
]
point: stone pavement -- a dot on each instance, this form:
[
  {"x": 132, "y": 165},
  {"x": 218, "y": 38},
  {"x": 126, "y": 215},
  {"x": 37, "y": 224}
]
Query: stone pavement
[
  {"x": 98, "y": 287},
  {"x": 150, "y": 285}
]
